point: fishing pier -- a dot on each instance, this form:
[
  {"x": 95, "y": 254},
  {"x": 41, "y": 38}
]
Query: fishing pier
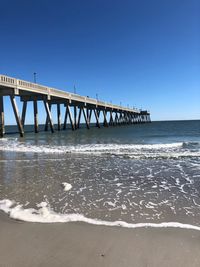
[{"x": 76, "y": 106}]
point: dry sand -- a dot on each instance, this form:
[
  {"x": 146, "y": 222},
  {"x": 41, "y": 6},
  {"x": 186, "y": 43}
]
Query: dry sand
[{"x": 78, "y": 244}]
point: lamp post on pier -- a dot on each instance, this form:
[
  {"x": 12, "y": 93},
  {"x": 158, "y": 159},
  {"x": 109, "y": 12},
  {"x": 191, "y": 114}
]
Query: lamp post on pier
[
  {"x": 74, "y": 89},
  {"x": 34, "y": 77}
]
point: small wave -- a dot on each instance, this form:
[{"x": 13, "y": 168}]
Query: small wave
[
  {"x": 180, "y": 155},
  {"x": 14, "y": 146},
  {"x": 45, "y": 215},
  {"x": 191, "y": 145}
]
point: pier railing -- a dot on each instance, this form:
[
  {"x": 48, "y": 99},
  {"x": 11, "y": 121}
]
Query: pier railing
[{"x": 40, "y": 89}]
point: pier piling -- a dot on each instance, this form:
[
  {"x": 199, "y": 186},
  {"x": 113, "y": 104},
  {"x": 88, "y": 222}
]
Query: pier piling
[
  {"x": 35, "y": 110},
  {"x": 2, "y": 123},
  {"x": 17, "y": 117},
  {"x": 49, "y": 117},
  {"x": 59, "y": 117},
  {"x": 24, "y": 112}
]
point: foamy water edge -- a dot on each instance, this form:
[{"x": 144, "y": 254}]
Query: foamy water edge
[{"x": 45, "y": 215}]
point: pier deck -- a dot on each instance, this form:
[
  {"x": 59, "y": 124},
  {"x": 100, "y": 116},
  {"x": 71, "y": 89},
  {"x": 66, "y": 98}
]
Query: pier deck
[{"x": 75, "y": 107}]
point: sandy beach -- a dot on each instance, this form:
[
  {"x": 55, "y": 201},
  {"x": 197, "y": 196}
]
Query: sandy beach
[
  {"x": 100, "y": 133},
  {"x": 80, "y": 244}
]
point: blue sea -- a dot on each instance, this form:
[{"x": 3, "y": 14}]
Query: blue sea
[{"x": 142, "y": 174}]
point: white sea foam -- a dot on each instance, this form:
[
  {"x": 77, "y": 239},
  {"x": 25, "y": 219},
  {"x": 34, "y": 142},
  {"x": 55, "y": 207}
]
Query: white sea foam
[
  {"x": 135, "y": 151},
  {"x": 44, "y": 214},
  {"x": 66, "y": 186}
]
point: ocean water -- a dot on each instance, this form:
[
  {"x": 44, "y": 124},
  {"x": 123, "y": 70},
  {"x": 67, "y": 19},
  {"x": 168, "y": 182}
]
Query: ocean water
[{"x": 136, "y": 175}]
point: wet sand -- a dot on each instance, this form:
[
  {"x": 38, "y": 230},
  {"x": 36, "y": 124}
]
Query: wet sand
[{"x": 79, "y": 244}]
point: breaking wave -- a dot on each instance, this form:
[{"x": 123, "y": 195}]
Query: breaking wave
[{"x": 170, "y": 150}]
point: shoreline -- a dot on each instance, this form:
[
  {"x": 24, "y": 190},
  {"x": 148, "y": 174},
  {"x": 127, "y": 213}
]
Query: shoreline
[{"x": 81, "y": 244}]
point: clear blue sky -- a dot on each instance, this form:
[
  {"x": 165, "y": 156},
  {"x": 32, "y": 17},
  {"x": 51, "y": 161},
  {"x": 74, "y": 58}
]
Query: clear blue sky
[{"x": 144, "y": 53}]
